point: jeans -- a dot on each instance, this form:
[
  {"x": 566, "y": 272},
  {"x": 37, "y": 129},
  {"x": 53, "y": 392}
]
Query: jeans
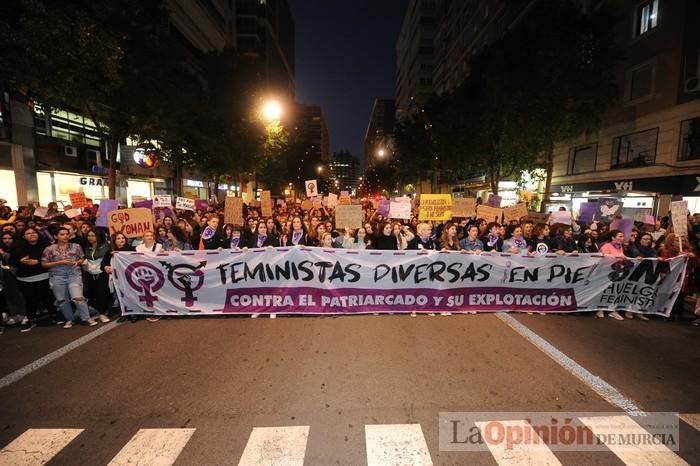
[{"x": 67, "y": 286}]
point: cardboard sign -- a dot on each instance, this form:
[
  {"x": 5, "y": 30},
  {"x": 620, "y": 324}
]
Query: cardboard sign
[
  {"x": 538, "y": 217},
  {"x": 679, "y": 216},
  {"x": 649, "y": 220},
  {"x": 561, "y": 216},
  {"x": 587, "y": 211},
  {"x": 344, "y": 200},
  {"x": 266, "y": 203},
  {"x": 162, "y": 200},
  {"x": 41, "y": 212},
  {"x": 344, "y": 193},
  {"x": 106, "y": 206},
  {"x": 317, "y": 203},
  {"x": 233, "y": 210},
  {"x": 72, "y": 213},
  {"x": 311, "y": 188},
  {"x": 184, "y": 203},
  {"x": 494, "y": 201},
  {"x": 435, "y": 207},
  {"x": 488, "y": 213},
  {"x": 400, "y": 209},
  {"x": 306, "y": 204},
  {"x": 137, "y": 198},
  {"x": 463, "y": 208},
  {"x": 332, "y": 200},
  {"x": 348, "y": 216},
  {"x": 514, "y": 212},
  {"x": 79, "y": 201},
  {"x": 132, "y": 222}
]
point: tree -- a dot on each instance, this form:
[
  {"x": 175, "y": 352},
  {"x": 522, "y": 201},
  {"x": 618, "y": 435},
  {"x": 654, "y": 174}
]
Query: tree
[{"x": 107, "y": 60}]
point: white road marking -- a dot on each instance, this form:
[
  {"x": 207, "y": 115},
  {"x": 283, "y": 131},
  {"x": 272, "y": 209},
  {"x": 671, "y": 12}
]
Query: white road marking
[
  {"x": 611, "y": 394},
  {"x": 36, "y": 446},
  {"x": 153, "y": 447},
  {"x": 692, "y": 419},
  {"x": 41, "y": 362},
  {"x": 650, "y": 455},
  {"x": 534, "y": 452},
  {"x": 396, "y": 445},
  {"x": 276, "y": 446}
]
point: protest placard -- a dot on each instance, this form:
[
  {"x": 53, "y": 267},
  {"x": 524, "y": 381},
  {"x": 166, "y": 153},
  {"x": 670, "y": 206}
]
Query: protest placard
[
  {"x": 494, "y": 200},
  {"x": 307, "y": 204},
  {"x": 625, "y": 225},
  {"x": 400, "y": 209},
  {"x": 79, "y": 201},
  {"x": 144, "y": 204},
  {"x": 488, "y": 213},
  {"x": 514, "y": 212},
  {"x": 679, "y": 217},
  {"x": 183, "y": 203},
  {"x": 162, "y": 200},
  {"x": 136, "y": 198},
  {"x": 311, "y": 188},
  {"x": 317, "y": 203},
  {"x": 435, "y": 207},
  {"x": 587, "y": 211},
  {"x": 132, "y": 222},
  {"x": 608, "y": 209},
  {"x": 266, "y": 203},
  {"x": 348, "y": 216},
  {"x": 106, "y": 206},
  {"x": 538, "y": 217},
  {"x": 561, "y": 216},
  {"x": 344, "y": 200},
  {"x": 332, "y": 200},
  {"x": 41, "y": 212},
  {"x": 233, "y": 210},
  {"x": 72, "y": 213},
  {"x": 201, "y": 204},
  {"x": 649, "y": 220},
  {"x": 384, "y": 206},
  {"x": 463, "y": 207}
]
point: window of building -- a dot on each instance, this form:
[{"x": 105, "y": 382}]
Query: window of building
[
  {"x": 640, "y": 81},
  {"x": 647, "y": 16},
  {"x": 635, "y": 150},
  {"x": 689, "y": 147},
  {"x": 582, "y": 159}
]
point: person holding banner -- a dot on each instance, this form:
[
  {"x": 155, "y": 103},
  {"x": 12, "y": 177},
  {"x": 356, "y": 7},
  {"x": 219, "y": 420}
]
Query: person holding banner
[
  {"x": 261, "y": 239},
  {"x": 448, "y": 239},
  {"x": 492, "y": 241},
  {"x": 177, "y": 240},
  {"x": 472, "y": 243},
  {"x": 385, "y": 239},
  {"x": 149, "y": 244},
  {"x": 564, "y": 240},
  {"x": 515, "y": 243},
  {"x": 211, "y": 238},
  {"x": 63, "y": 260},
  {"x": 296, "y": 236},
  {"x": 423, "y": 238}
]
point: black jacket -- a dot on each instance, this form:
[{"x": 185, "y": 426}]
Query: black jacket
[{"x": 24, "y": 249}]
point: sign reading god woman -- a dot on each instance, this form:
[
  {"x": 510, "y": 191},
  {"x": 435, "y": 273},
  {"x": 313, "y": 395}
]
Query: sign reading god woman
[{"x": 302, "y": 280}]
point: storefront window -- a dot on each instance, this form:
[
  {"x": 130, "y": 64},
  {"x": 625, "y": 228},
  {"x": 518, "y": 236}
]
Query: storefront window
[
  {"x": 8, "y": 189},
  {"x": 139, "y": 188},
  {"x": 56, "y": 187}
]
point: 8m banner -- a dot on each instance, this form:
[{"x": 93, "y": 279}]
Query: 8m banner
[{"x": 303, "y": 280}]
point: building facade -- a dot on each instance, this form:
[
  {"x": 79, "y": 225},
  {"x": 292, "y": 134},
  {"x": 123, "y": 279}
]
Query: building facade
[
  {"x": 648, "y": 148},
  {"x": 311, "y": 138},
  {"x": 345, "y": 172},
  {"x": 379, "y": 137},
  {"x": 415, "y": 57}
]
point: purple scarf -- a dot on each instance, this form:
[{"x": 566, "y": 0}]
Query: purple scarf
[
  {"x": 261, "y": 240},
  {"x": 493, "y": 239},
  {"x": 296, "y": 236},
  {"x": 208, "y": 233}
]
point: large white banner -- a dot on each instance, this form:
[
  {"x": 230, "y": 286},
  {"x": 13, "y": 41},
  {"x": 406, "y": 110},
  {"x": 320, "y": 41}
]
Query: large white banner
[{"x": 303, "y": 280}]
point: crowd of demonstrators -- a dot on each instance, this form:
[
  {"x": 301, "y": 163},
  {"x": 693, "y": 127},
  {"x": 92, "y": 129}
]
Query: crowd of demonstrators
[{"x": 62, "y": 267}]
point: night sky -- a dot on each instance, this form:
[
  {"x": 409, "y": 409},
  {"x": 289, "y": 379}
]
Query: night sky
[{"x": 345, "y": 57}]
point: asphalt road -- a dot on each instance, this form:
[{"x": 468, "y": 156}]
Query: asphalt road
[{"x": 219, "y": 381}]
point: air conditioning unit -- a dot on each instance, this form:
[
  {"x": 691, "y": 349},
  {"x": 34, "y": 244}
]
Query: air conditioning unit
[
  {"x": 70, "y": 151},
  {"x": 93, "y": 157},
  {"x": 692, "y": 85}
]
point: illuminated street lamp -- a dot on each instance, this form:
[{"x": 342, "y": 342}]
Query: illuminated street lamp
[
  {"x": 381, "y": 152},
  {"x": 272, "y": 110},
  {"x": 320, "y": 169}
]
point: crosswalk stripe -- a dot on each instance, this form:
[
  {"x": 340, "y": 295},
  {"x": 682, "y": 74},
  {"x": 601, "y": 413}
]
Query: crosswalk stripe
[
  {"x": 692, "y": 419},
  {"x": 153, "y": 447},
  {"x": 631, "y": 454},
  {"x": 532, "y": 452},
  {"x": 396, "y": 445},
  {"x": 36, "y": 446},
  {"x": 276, "y": 446}
]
